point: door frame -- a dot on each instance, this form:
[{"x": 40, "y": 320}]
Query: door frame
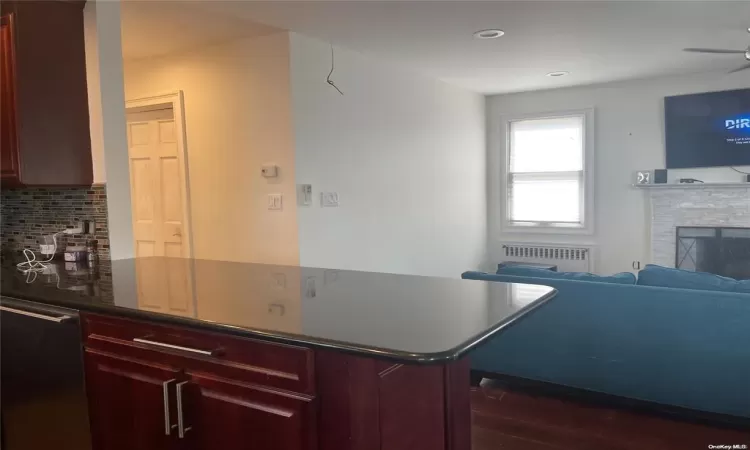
[{"x": 175, "y": 98}]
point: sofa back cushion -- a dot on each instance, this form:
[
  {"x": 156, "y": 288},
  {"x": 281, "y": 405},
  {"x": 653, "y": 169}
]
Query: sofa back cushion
[
  {"x": 653, "y": 275},
  {"x": 524, "y": 271}
]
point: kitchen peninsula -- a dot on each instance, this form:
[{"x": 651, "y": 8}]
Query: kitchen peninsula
[{"x": 205, "y": 354}]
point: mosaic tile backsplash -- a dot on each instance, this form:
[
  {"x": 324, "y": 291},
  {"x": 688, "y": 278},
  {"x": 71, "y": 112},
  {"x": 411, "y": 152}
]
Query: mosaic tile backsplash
[{"x": 29, "y": 214}]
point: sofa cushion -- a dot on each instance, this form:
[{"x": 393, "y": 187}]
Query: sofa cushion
[
  {"x": 653, "y": 275},
  {"x": 743, "y": 287},
  {"x": 619, "y": 278}
]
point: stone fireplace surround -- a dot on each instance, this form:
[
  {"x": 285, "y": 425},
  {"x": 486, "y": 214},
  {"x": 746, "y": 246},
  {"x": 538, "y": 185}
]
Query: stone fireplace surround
[{"x": 693, "y": 206}]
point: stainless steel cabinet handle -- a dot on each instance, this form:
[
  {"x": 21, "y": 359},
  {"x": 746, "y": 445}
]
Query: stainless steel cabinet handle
[
  {"x": 181, "y": 428},
  {"x": 175, "y": 347},
  {"x": 58, "y": 319},
  {"x": 167, "y": 419}
]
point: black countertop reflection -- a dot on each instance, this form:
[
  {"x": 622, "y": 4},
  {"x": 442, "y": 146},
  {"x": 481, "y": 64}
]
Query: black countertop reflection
[{"x": 399, "y": 317}]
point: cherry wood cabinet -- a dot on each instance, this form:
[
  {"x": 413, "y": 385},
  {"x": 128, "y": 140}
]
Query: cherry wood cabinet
[
  {"x": 45, "y": 120},
  {"x": 240, "y": 417},
  {"x": 141, "y": 405},
  {"x": 154, "y": 386},
  {"x": 8, "y": 138},
  {"x": 369, "y": 404},
  {"x": 131, "y": 403}
]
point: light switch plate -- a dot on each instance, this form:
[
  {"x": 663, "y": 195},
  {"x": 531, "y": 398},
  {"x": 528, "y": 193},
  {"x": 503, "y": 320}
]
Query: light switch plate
[
  {"x": 330, "y": 199},
  {"x": 274, "y": 201}
]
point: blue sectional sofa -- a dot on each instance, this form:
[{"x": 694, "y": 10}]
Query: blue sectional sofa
[{"x": 681, "y": 347}]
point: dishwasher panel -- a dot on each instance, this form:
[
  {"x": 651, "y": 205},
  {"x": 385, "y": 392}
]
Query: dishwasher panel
[{"x": 42, "y": 388}]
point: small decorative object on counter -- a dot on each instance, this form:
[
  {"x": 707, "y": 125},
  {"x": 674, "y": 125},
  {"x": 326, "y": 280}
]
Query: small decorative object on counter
[
  {"x": 71, "y": 266},
  {"x": 75, "y": 253},
  {"x": 91, "y": 253},
  {"x": 643, "y": 177}
]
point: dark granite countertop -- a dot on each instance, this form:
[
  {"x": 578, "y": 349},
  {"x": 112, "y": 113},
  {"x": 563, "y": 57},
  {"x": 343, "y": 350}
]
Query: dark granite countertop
[{"x": 405, "y": 318}]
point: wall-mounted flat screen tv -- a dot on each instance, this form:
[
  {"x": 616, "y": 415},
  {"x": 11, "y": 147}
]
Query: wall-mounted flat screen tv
[{"x": 711, "y": 129}]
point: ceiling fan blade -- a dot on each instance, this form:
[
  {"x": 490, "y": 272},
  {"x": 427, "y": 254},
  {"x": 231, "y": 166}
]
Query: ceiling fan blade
[
  {"x": 712, "y": 50},
  {"x": 745, "y": 67}
]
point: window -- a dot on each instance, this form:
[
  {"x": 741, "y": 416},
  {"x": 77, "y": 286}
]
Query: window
[{"x": 546, "y": 177}]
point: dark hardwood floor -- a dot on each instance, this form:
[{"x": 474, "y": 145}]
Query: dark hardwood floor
[{"x": 512, "y": 420}]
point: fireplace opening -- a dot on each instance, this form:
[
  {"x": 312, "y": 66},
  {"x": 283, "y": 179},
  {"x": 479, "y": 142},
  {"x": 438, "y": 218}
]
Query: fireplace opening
[{"x": 719, "y": 250}]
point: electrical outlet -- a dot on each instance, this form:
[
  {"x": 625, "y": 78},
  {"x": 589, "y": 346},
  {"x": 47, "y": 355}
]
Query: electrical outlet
[
  {"x": 47, "y": 249},
  {"x": 330, "y": 199}
]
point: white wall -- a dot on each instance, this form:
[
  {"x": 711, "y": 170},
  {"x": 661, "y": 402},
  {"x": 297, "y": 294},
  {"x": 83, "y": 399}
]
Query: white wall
[
  {"x": 407, "y": 156},
  {"x": 629, "y": 137},
  {"x": 104, "y": 74},
  {"x": 94, "y": 91},
  {"x": 238, "y": 117}
]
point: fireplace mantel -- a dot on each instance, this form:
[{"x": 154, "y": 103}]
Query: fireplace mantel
[{"x": 693, "y": 185}]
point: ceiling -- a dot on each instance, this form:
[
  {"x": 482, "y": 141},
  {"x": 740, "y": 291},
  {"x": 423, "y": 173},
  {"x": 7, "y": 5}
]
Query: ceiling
[
  {"x": 156, "y": 28},
  {"x": 596, "y": 41}
]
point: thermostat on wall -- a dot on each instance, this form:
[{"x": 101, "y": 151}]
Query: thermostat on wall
[{"x": 269, "y": 170}]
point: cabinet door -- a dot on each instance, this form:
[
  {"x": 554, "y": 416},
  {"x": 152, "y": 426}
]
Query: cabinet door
[
  {"x": 131, "y": 403},
  {"x": 8, "y": 136},
  {"x": 228, "y": 416}
]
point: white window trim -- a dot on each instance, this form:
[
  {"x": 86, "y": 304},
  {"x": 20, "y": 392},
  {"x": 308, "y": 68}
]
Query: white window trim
[{"x": 587, "y": 227}]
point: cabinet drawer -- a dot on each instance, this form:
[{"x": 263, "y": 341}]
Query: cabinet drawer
[
  {"x": 223, "y": 414},
  {"x": 249, "y": 360}
]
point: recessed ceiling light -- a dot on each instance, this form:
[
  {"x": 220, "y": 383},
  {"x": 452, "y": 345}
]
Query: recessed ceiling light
[
  {"x": 560, "y": 73},
  {"x": 489, "y": 34}
]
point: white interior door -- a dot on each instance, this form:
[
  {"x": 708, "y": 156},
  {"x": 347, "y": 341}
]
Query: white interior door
[{"x": 158, "y": 190}]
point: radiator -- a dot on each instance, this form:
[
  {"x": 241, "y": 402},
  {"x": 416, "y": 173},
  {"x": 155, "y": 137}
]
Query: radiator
[{"x": 566, "y": 258}]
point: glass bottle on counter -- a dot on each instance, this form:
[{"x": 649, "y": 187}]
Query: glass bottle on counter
[{"x": 91, "y": 253}]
